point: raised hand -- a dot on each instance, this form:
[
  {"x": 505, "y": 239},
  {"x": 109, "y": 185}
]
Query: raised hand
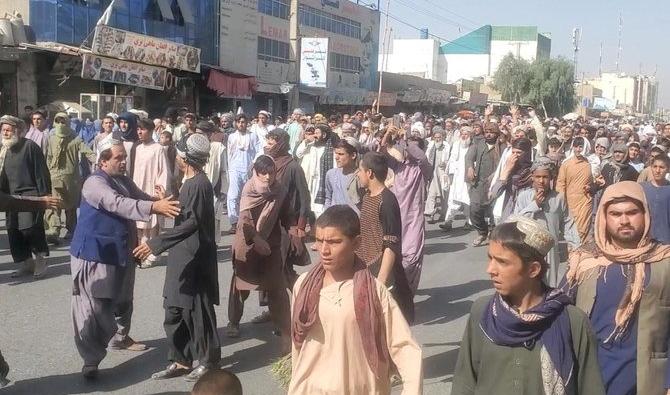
[{"x": 166, "y": 207}]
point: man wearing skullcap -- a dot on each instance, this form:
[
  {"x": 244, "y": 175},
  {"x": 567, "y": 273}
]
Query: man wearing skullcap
[
  {"x": 438, "y": 155},
  {"x": 101, "y": 262},
  {"x": 527, "y": 337},
  {"x": 543, "y": 204},
  {"x": 24, "y": 172},
  {"x": 621, "y": 280},
  {"x": 602, "y": 146},
  {"x": 262, "y": 127},
  {"x": 191, "y": 281}
]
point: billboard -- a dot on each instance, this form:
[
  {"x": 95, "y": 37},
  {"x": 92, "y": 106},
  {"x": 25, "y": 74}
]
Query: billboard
[
  {"x": 120, "y": 44},
  {"x": 100, "y": 68},
  {"x": 314, "y": 62},
  {"x": 238, "y": 36}
]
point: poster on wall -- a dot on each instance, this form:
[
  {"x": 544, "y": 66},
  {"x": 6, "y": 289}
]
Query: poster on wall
[
  {"x": 121, "y": 44},
  {"x": 238, "y": 37},
  {"x": 314, "y": 62},
  {"x": 100, "y": 68}
]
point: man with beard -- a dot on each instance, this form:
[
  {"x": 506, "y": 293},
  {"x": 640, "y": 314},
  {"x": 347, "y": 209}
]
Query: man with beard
[
  {"x": 262, "y": 127},
  {"x": 101, "y": 262},
  {"x": 24, "y": 172},
  {"x": 127, "y": 133},
  {"x": 227, "y": 123},
  {"x": 438, "y": 156},
  {"x": 481, "y": 161},
  {"x": 317, "y": 157},
  {"x": 615, "y": 170},
  {"x": 622, "y": 282},
  {"x": 15, "y": 203},
  {"x": 548, "y": 207},
  {"x": 38, "y": 132},
  {"x": 458, "y": 199},
  {"x": 295, "y": 129},
  {"x": 573, "y": 182},
  {"x": 602, "y": 145},
  {"x": 63, "y": 157},
  {"x": 216, "y": 169}
]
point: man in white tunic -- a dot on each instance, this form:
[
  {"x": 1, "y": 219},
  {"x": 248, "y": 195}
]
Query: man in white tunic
[
  {"x": 438, "y": 156},
  {"x": 458, "y": 199},
  {"x": 148, "y": 169}
]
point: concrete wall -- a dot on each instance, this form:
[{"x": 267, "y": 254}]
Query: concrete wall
[
  {"x": 466, "y": 66},
  {"x": 22, "y": 6},
  {"x": 523, "y": 49},
  {"x": 26, "y": 82},
  {"x": 621, "y": 89}
]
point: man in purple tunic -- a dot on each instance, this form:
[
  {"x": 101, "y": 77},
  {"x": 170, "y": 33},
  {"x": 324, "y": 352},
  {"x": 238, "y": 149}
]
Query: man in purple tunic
[
  {"x": 412, "y": 175},
  {"x": 102, "y": 267}
]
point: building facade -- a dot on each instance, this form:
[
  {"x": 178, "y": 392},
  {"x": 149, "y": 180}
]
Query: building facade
[
  {"x": 634, "y": 93},
  {"x": 479, "y": 53},
  {"x": 262, "y": 27}
]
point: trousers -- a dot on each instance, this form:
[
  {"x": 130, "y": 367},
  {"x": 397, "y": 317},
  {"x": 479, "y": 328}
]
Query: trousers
[
  {"x": 237, "y": 179},
  {"x": 192, "y": 333}
]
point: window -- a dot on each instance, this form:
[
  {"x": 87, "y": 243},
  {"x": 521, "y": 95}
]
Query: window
[
  {"x": 344, "y": 63},
  {"x": 313, "y": 17},
  {"x": 273, "y": 50},
  {"x": 277, "y": 8}
]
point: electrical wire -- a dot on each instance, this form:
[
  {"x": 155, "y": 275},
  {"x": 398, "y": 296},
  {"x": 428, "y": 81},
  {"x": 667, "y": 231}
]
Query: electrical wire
[{"x": 395, "y": 18}]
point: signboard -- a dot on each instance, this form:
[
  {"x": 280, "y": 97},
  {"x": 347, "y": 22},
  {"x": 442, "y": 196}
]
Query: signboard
[
  {"x": 238, "y": 36},
  {"x": 314, "y": 62},
  {"x": 100, "y": 68},
  {"x": 121, "y": 44}
]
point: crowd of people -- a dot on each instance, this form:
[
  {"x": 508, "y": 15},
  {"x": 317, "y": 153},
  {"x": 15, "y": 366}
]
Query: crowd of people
[{"x": 358, "y": 190}]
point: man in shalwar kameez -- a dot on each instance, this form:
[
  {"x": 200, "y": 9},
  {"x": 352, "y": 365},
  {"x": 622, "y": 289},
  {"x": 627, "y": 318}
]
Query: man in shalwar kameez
[
  {"x": 411, "y": 177},
  {"x": 102, "y": 267},
  {"x": 438, "y": 155},
  {"x": 574, "y": 176},
  {"x": 148, "y": 168}
]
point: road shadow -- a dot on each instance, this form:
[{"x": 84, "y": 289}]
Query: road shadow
[
  {"x": 58, "y": 266},
  {"x": 443, "y": 248},
  {"x": 440, "y": 365},
  {"x": 439, "y": 307}
]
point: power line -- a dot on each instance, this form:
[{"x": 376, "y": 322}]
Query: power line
[
  {"x": 395, "y": 18},
  {"x": 438, "y": 6},
  {"x": 442, "y": 19}
]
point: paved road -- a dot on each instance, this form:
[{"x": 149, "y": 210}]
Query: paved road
[{"x": 36, "y": 328}]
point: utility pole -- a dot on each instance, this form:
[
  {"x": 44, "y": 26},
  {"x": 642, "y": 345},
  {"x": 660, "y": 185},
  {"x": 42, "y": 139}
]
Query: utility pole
[
  {"x": 381, "y": 72},
  {"x": 600, "y": 61},
  {"x": 576, "y": 37},
  {"x": 619, "y": 49},
  {"x": 294, "y": 62}
]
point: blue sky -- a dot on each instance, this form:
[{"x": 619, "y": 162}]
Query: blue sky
[{"x": 644, "y": 41}]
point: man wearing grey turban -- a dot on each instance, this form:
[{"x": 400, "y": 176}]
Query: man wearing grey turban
[{"x": 544, "y": 204}]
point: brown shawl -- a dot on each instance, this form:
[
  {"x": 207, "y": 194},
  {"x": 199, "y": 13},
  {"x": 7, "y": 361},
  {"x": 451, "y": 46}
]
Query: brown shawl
[
  {"x": 257, "y": 193},
  {"x": 584, "y": 261},
  {"x": 280, "y": 152},
  {"x": 368, "y": 309}
]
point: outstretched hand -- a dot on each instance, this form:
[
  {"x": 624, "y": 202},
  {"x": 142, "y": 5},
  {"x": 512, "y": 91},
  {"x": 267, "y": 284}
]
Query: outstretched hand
[
  {"x": 166, "y": 207},
  {"x": 52, "y": 202},
  {"x": 142, "y": 251}
]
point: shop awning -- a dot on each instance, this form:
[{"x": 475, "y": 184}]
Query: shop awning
[{"x": 231, "y": 85}]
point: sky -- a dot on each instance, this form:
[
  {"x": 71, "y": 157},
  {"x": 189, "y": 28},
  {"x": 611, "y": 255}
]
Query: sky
[{"x": 644, "y": 38}]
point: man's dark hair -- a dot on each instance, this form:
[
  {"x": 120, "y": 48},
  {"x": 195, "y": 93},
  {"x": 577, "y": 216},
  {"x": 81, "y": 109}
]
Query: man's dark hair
[
  {"x": 217, "y": 382},
  {"x": 343, "y": 144},
  {"x": 342, "y": 218},
  {"x": 108, "y": 117},
  {"x": 38, "y": 112},
  {"x": 554, "y": 142},
  {"x": 145, "y": 124},
  {"x": 662, "y": 158},
  {"x": 623, "y": 199},
  {"x": 240, "y": 116},
  {"x": 334, "y": 118},
  {"x": 377, "y": 163},
  {"x": 523, "y": 144},
  {"x": 511, "y": 238},
  {"x": 578, "y": 142},
  {"x": 264, "y": 165}
]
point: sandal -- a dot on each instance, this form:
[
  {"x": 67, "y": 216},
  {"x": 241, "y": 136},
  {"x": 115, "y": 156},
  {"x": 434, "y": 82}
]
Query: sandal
[{"x": 479, "y": 241}]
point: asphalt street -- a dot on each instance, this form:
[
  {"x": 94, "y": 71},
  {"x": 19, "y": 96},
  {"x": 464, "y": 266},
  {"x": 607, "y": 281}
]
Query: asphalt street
[{"x": 36, "y": 333}]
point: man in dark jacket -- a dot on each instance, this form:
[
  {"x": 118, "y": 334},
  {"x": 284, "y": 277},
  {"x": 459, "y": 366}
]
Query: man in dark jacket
[
  {"x": 191, "y": 281},
  {"x": 481, "y": 161}
]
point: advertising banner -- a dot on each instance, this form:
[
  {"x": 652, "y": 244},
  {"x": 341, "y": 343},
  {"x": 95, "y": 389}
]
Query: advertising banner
[
  {"x": 314, "y": 62},
  {"x": 100, "y": 68},
  {"x": 120, "y": 44},
  {"x": 238, "y": 36}
]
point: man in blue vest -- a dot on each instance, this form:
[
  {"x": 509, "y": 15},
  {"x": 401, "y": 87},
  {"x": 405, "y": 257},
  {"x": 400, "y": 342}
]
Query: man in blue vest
[{"x": 103, "y": 270}]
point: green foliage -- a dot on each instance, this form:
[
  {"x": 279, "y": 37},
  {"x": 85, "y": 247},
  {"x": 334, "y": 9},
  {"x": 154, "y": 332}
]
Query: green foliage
[
  {"x": 546, "y": 84},
  {"x": 281, "y": 370}
]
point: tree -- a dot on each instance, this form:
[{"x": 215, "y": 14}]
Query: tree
[
  {"x": 511, "y": 78},
  {"x": 551, "y": 86},
  {"x": 545, "y": 83}
]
